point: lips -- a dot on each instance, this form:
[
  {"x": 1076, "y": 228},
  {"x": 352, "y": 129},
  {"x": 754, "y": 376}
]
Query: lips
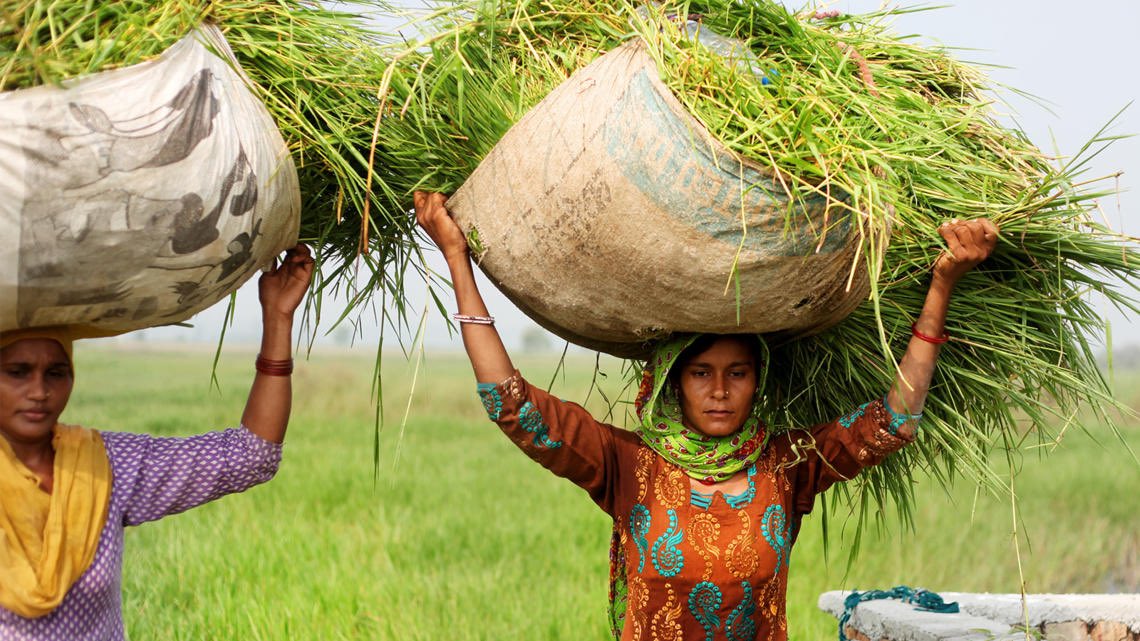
[{"x": 34, "y": 415}]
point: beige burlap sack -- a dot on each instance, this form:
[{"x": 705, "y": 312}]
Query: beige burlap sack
[
  {"x": 611, "y": 217},
  {"x": 139, "y": 197}
]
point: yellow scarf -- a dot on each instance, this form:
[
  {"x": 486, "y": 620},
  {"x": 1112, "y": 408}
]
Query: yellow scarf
[{"x": 48, "y": 540}]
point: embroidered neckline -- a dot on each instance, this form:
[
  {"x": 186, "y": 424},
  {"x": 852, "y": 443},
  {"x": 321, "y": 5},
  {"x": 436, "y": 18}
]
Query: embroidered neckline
[{"x": 703, "y": 500}]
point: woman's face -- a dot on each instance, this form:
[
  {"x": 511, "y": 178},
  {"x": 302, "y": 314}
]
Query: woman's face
[
  {"x": 717, "y": 388},
  {"x": 35, "y": 383}
]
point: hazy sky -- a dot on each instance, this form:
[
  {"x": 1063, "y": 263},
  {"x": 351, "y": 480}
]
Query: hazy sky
[{"x": 1077, "y": 57}]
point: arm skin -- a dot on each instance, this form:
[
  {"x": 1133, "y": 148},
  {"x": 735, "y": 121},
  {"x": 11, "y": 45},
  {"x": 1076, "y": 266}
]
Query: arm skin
[
  {"x": 485, "y": 349},
  {"x": 968, "y": 243},
  {"x": 280, "y": 291}
]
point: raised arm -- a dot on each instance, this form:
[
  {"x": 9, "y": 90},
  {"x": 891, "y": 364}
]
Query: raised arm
[
  {"x": 968, "y": 243},
  {"x": 484, "y": 348},
  {"x": 280, "y": 291}
]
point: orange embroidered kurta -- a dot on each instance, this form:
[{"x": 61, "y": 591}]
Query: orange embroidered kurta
[{"x": 693, "y": 571}]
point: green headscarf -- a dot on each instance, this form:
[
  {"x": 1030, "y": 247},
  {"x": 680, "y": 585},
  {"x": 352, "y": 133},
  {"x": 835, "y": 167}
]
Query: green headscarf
[{"x": 709, "y": 459}]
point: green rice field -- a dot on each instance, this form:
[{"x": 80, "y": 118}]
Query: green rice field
[{"x": 456, "y": 535}]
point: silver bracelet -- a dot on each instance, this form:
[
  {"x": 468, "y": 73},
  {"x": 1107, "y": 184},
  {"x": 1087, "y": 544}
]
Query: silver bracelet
[{"x": 474, "y": 320}]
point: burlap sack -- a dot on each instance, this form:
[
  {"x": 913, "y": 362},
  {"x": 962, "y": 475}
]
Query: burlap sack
[
  {"x": 141, "y": 196},
  {"x": 611, "y": 217}
]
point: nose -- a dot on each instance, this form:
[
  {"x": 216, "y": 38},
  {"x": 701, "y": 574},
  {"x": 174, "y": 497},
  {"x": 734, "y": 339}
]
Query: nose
[
  {"x": 39, "y": 390},
  {"x": 720, "y": 388}
]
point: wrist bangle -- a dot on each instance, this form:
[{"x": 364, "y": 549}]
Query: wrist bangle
[
  {"x": 937, "y": 340},
  {"x": 474, "y": 320},
  {"x": 270, "y": 367}
]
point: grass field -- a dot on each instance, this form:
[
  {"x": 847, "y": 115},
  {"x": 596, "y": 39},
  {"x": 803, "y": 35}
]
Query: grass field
[{"x": 465, "y": 538}]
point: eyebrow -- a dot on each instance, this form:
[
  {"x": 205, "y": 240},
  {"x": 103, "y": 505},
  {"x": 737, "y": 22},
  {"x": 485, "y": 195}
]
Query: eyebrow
[
  {"x": 14, "y": 363},
  {"x": 734, "y": 364}
]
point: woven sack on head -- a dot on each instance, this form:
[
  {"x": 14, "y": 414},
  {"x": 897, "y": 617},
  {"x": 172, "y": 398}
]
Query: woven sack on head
[{"x": 139, "y": 196}]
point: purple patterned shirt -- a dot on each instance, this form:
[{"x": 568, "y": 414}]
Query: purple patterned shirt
[{"x": 152, "y": 478}]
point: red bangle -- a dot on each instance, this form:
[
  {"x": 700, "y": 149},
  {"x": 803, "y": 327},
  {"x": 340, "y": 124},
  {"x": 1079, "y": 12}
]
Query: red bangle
[
  {"x": 270, "y": 367},
  {"x": 937, "y": 340}
]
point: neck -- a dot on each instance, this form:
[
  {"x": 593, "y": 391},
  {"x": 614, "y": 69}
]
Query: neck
[{"x": 37, "y": 456}]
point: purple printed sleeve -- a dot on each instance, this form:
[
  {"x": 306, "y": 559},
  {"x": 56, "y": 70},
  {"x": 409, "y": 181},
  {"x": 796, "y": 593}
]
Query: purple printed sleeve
[{"x": 167, "y": 475}]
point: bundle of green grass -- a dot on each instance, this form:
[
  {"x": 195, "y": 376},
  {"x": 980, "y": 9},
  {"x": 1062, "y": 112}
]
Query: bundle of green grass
[
  {"x": 902, "y": 136},
  {"x": 315, "y": 69}
]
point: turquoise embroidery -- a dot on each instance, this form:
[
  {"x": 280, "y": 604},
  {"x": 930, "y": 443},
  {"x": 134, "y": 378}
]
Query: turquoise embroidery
[
  {"x": 849, "y": 420},
  {"x": 492, "y": 400},
  {"x": 739, "y": 625},
  {"x": 897, "y": 419},
  {"x": 639, "y": 528},
  {"x": 775, "y": 528},
  {"x": 667, "y": 557},
  {"x": 704, "y": 601},
  {"x": 531, "y": 420},
  {"x": 700, "y": 499},
  {"x": 735, "y": 501}
]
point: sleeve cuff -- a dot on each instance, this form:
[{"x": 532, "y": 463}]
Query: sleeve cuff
[{"x": 513, "y": 390}]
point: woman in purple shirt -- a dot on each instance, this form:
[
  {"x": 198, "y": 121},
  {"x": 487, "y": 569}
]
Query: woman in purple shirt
[{"x": 66, "y": 492}]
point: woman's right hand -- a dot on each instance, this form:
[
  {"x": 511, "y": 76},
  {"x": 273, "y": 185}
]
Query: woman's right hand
[
  {"x": 432, "y": 215},
  {"x": 484, "y": 348}
]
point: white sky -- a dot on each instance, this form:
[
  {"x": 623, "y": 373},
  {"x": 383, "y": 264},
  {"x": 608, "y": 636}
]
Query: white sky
[{"x": 1078, "y": 57}]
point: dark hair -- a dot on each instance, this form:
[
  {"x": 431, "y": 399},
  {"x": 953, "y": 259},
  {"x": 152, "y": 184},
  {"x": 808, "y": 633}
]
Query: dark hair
[{"x": 705, "y": 341}]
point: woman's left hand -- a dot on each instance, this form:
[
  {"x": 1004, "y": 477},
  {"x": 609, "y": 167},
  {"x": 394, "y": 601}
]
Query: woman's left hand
[
  {"x": 282, "y": 288},
  {"x": 968, "y": 242}
]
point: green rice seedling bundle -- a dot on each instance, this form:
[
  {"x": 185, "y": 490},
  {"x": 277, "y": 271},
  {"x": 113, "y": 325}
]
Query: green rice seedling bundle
[
  {"x": 314, "y": 68},
  {"x": 898, "y": 136}
]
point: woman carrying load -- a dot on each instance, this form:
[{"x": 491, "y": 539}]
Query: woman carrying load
[
  {"x": 706, "y": 505},
  {"x": 67, "y": 492}
]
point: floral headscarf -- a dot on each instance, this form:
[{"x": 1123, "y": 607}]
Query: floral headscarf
[{"x": 709, "y": 459}]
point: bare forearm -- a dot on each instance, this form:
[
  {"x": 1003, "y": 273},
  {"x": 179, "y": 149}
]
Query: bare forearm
[
  {"x": 484, "y": 347},
  {"x": 916, "y": 370},
  {"x": 270, "y": 398}
]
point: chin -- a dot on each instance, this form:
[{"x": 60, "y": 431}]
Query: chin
[{"x": 718, "y": 431}]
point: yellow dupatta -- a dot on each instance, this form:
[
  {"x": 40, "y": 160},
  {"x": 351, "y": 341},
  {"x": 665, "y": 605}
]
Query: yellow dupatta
[{"x": 48, "y": 540}]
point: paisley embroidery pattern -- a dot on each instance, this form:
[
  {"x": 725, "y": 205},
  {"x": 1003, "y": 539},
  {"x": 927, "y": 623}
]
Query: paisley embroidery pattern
[
  {"x": 671, "y": 488},
  {"x": 531, "y": 420},
  {"x": 741, "y": 556},
  {"x": 704, "y": 601},
  {"x": 771, "y": 597},
  {"x": 664, "y": 625},
  {"x": 667, "y": 557},
  {"x": 639, "y": 529},
  {"x": 641, "y": 472},
  {"x": 639, "y": 597},
  {"x": 704, "y": 530},
  {"x": 492, "y": 400},
  {"x": 739, "y": 625},
  {"x": 775, "y": 528}
]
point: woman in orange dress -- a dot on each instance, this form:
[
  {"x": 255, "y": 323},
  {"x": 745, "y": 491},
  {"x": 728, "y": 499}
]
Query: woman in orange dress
[{"x": 706, "y": 504}]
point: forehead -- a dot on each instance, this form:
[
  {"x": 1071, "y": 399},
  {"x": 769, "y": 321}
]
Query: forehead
[
  {"x": 723, "y": 351},
  {"x": 34, "y": 350}
]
